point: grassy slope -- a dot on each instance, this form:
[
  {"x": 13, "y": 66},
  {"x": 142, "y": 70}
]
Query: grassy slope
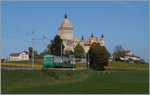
[
  {"x": 16, "y": 79},
  {"x": 123, "y": 79}
]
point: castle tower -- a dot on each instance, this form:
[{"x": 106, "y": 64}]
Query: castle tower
[
  {"x": 66, "y": 29},
  {"x": 92, "y": 38},
  {"x": 102, "y": 40},
  {"x": 82, "y": 41}
]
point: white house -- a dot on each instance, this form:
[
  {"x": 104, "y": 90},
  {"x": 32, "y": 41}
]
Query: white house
[
  {"x": 19, "y": 56},
  {"x": 134, "y": 58}
]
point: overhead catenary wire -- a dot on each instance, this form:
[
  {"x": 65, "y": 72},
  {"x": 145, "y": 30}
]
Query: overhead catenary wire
[
  {"x": 22, "y": 40},
  {"x": 23, "y": 29},
  {"x": 14, "y": 38},
  {"x": 14, "y": 30},
  {"x": 24, "y": 36}
]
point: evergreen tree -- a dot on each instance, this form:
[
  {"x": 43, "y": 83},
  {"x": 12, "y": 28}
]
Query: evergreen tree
[
  {"x": 30, "y": 49},
  {"x": 56, "y": 46},
  {"x": 98, "y": 56},
  {"x": 79, "y": 51}
]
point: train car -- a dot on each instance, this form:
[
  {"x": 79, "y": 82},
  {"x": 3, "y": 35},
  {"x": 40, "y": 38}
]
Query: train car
[{"x": 52, "y": 61}]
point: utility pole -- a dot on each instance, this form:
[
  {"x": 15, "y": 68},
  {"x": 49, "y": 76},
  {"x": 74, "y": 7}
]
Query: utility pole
[{"x": 33, "y": 50}]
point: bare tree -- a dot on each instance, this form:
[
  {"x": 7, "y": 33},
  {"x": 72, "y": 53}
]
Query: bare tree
[{"x": 118, "y": 51}]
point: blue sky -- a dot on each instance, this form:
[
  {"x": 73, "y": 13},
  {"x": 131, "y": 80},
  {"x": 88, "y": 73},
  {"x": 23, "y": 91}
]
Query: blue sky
[{"x": 122, "y": 23}]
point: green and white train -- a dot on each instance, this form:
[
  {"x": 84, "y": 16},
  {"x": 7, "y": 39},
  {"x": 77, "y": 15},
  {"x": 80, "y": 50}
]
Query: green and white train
[{"x": 52, "y": 61}]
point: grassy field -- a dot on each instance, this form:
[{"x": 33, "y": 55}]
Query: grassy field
[
  {"x": 119, "y": 78},
  {"x": 21, "y": 64}
]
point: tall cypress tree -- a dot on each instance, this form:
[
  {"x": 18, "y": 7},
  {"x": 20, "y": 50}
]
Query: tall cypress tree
[{"x": 56, "y": 46}]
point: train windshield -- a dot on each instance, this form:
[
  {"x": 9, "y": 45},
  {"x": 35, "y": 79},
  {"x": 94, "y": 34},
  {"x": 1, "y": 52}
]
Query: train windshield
[{"x": 49, "y": 59}]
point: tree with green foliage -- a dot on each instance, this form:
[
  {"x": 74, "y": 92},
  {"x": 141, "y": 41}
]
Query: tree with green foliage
[
  {"x": 30, "y": 49},
  {"x": 79, "y": 51},
  {"x": 98, "y": 56},
  {"x": 56, "y": 46},
  {"x": 36, "y": 54},
  {"x": 68, "y": 53}
]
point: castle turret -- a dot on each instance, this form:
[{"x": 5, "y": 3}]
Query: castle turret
[
  {"x": 92, "y": 38},
  {"x": 92, "y": 35},
  {"x": 82, "y": 41},
  {"x": 82, "y": 38},
  {"x": 102, "y": 40}
]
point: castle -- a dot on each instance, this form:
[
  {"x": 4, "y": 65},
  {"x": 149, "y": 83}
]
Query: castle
[{"x": 66, "y": 32}]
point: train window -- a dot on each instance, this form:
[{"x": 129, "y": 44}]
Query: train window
[
  {"x": 49, "y": 59},
  {"x": 45, "y": 59}
]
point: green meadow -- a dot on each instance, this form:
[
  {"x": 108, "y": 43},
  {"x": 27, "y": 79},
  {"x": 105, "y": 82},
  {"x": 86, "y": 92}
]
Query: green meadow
[{"x": 119, "y": 78}]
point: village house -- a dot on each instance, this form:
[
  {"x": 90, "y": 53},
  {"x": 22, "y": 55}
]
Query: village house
[{"x": 22, "y": 56}]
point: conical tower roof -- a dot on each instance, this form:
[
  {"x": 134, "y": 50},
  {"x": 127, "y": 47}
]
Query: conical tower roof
[
  {"x": 102, "y": 36},
  {"x": 66, "y": 23},
  {"x": 82, "y": 38},
  {"x": 92, "y": 35}
]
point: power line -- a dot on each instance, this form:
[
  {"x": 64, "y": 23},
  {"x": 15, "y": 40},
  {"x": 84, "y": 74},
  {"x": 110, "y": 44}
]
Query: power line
[
  {"x": 11, "y": 37},
  {"x": 6, "y": 24},
  {"x": 14, "y": 34},
  {"x": 22, "y": 40},
  {"x": 10, "y": 31},
  {"x": 18, "y": 28}
]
